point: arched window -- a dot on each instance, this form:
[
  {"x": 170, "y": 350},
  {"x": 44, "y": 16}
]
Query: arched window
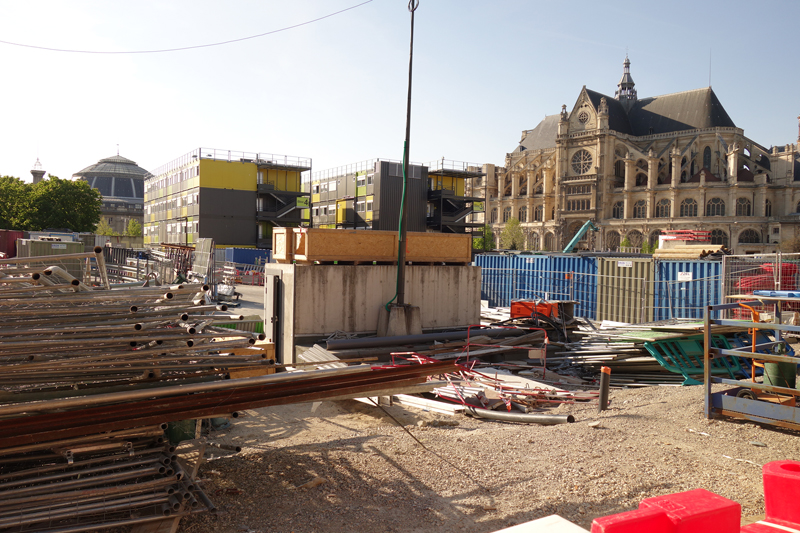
[
  {"x": 743, "y": 208},
  {"x": 538, "y": 213},
  {"x": 653, "y": 239},
  {"x": 619, "y": 168},
  {"x": 636, "y": 238},
  {"x": 640, "y": 209},
  {"x": 553, "y": 213},
  {"x": 573, "y": 230},
  {"x": 616, "y": 211},
  {"x": 707, "y": 157},
  {"x": 494, "y": 216},
  {"x": 506, "y": 214},
  {"x": 612, "y": 241},
  {"x": 539, "y": 190},
  {"x": 688, "y": 208},
  {"x": 715, "y": 208},
  {"x": 719, "y": 237},
  {"x": 549, "y": 241},
  {"x": 663, "y": 208},
  {"x": 533, "y": 241},
  {"x": 749, "y": 236},
  {"x": 767, "y": 208},
  {"x": 523, "y": 214},
  {"x": 641, "y": 180}
]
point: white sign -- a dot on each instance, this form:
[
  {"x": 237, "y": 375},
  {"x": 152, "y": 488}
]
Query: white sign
[
  {"x": 625, "y": 264},
  {"x": 684, "y": 276},
  {"x": 58, "y": 246}
]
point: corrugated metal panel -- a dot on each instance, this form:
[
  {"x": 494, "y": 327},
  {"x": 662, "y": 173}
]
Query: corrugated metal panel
[
  {"x": 625, "y": 290},
  {"x": 8, "y": 241},
  {"x": 247, "y": 256},
  {"x": 389, "y": 187},
  {"x": 35, "y": 248},
  {"x": 580, "y": 286},
  {"x": 496, "y": 279},
  {"x": 684, "y": 288}
]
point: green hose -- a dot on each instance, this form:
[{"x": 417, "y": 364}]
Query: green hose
[{"x": 399, "y": 230}]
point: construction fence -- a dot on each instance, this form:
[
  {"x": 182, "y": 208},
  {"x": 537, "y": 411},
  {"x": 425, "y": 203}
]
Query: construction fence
[{"x": 632, "y": 290}]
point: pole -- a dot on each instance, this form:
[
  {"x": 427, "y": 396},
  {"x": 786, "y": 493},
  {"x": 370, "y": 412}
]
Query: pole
[
  {"x": 605, "y": 381},
  {"x": 401, "y": 252}
]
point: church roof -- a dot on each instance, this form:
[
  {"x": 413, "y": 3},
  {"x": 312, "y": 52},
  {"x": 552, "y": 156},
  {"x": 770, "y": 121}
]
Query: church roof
[
  {"x": 617, "y": 117},
  {"x": 686, "y": 110},
  {"x": 542, "y": 136},
  {"x": 115, "y": 177},
  {"x": 115, "y": 165}
]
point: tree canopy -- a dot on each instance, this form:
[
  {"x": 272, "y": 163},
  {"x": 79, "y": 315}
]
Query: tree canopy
[
  {"x": 51, "y": 203},
  {"x": 486, "y": 242},
  {"x": 512, "y": 237},
  {"x": 134, "y": 228}
]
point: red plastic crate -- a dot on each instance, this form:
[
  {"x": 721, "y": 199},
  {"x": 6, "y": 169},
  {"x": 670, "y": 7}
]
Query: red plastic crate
[{"x": 698, "y": 511}]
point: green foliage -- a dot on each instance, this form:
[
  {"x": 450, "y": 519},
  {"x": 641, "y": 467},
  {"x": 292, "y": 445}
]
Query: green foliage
[
  {"x": 646, "y": 248},
  {"x": 134, "y": 228},
  {"x": 512, "y": 237},
  {"x": 486, "y": 242},
  {"x": 13, "y": 202},
  {"x": 104, "y": 228},
  {"x": 57, "y": 203},
  {"x": 626, "y": 243}
]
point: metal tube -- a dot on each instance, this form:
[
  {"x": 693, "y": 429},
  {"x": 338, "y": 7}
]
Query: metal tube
[
  {"x": 101, "y": 266},
  {"x": 529, "y": 418},
  {"x": 402, "y": 340},
  {"x": 605, "y": 381}
]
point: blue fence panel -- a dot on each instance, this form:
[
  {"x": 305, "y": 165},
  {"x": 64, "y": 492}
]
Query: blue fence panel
[
  {"x": 530, "y": 276},
  {"x": 582, "y": 287},
  {"x": 247, "y": 256},
  {"x": 684, "y": 288},
  {"x": 496, "y": 279}
]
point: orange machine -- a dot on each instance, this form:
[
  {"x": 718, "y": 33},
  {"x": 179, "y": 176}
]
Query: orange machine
[{"x": 526, "y": 308}]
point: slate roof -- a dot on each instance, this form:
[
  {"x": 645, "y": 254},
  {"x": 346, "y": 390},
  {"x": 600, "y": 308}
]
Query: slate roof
[
  {"x": 114, "y": 165},
  {"x": 542, "y": 136},
  {"x": 686, "y": 110},
  {"x": 115, "y": 176},
  {"x": 617, "y": 118}
]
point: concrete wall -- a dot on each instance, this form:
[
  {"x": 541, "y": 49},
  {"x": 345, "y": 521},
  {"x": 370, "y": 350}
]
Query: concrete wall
[{"x": 318, "y": 300}]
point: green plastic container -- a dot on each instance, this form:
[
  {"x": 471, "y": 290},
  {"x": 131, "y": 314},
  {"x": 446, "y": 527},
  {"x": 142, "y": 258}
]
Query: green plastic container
[
  {"x": 780, "y": 374},
  {"x": 181, "y": 430}
]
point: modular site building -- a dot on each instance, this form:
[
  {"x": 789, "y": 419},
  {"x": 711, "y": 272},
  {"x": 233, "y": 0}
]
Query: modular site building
[
  {"x": 235, "y": 198},
  {"x": 368, "y": 195}
]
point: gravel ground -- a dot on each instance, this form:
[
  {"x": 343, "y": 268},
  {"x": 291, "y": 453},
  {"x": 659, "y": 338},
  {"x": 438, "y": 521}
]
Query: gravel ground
[{"x": 365, "y": 473}]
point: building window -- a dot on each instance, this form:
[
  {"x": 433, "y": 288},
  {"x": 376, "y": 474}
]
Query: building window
[
  {"x": 369, "y": 205},
  {"x": 707, "y": 157},
  {"x": 324, "y": 187},
  {"x": 332, "y": 186},
  {"x": 641, "y": 180},
  {"x": 616, "y": 211},
  {"x": 663, "y": 208},
  {"x": 640, "y": 209},
  {"x": 523, "y": 214},
  {"x": 776, "y": 231},
  {"x": 715, "y": 208},
  {"x": 315, "y": 211},
  {"x": 619, "y": 168},
  {"x": 749, "y": 236},
  {"x": 361, "y": 206},
  {"x": 767, "y": 208},
  {"x": 743, "y": 207},
  {"x": 315, "y": 188},
  {"x": 361, "y": 181},
  {"x": 538, "y": 213},
  {"x": 688, "y": 208},
  {"x": 719, "y": 237},
  {"x": 506, "y": 214},
  {"x": 579, "y": 205},
  {"x": 494, "y": 216},
  {"x": 581, "y": 162},
  {"x": 370, "y": 177}
]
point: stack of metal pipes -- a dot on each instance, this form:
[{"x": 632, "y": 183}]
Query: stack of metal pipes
[
  {"x": 122, "y": 478},
  {"x": 57, "y": 331}
]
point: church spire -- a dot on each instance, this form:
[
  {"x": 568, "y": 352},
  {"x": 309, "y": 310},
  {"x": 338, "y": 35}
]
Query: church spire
[{"x": 626, "y": 88}]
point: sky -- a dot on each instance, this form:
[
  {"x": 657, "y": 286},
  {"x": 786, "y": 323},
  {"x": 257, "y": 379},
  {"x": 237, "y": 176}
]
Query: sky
[{"x": 335, "y": 90}]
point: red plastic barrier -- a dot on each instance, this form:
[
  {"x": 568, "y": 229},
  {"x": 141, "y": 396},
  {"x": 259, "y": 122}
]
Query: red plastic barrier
[
  {"x": 698, "y": 511},
  {"x": 650, "y": 520},
  {"x": 787, "y": 269},
  {"x": 782, "y": 492}
]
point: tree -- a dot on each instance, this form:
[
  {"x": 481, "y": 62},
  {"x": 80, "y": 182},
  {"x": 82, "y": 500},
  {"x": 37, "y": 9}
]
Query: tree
[
  {"x": 104, "y": 228},
  {"x": 134, "y": 229},
  {"x": 512, "y": 237},
  {"x": 486, "y": 242},
  {"x": 13, "y": 203},
  {"x": 626, "y": 243},
  {"x": 57, "y": 203},
  {"x": 646, "y": 248}
]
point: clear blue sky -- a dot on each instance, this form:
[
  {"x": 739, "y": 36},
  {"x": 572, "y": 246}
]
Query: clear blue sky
[{"x": 335, "y": 90}]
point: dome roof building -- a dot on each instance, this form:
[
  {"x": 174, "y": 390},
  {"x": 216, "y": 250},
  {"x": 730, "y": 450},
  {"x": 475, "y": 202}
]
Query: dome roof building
[{"x": 121, "y": 182}]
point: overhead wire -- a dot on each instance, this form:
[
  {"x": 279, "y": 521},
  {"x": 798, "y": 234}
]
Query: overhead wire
[{"x": 183, "y": 48}]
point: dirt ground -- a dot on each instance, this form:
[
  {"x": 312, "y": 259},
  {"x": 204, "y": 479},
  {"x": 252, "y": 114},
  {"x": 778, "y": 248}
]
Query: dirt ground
[{"x": 346, "y": 466}]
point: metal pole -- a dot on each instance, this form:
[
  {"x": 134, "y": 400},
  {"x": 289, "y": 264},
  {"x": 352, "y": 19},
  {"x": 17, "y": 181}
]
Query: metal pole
[
  {"x": 605, "y": 381},
  {"x": 401, "y": 252}
]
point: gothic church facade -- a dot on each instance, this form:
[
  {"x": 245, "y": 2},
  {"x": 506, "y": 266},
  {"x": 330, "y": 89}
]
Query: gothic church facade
[{"x": 637, "y": 167}]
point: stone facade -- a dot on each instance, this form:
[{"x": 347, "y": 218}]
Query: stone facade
[{"x": 637, "y": 167}]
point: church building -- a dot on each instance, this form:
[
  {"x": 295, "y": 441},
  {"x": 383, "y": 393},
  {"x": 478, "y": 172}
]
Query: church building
[{"x": 638, "y": 166}]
